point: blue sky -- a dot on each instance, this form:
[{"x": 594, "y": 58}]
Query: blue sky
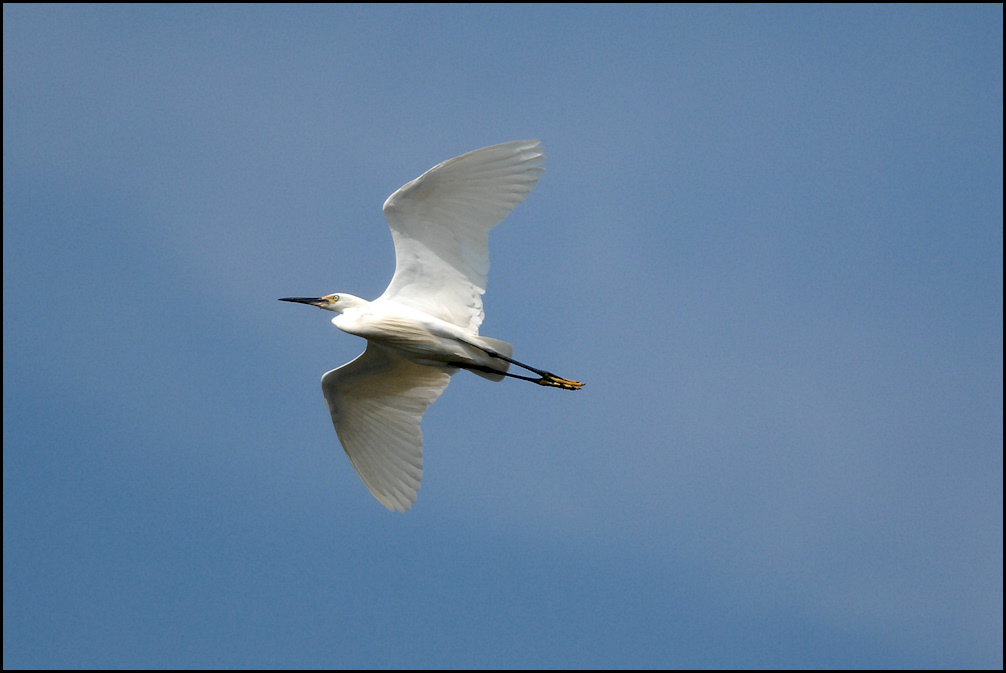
[{"x": 769, "y": 239}]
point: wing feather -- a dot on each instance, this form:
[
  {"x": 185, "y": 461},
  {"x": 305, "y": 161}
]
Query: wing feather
[
  {"x": 440, "y": 223},
  {"x": 377, "y": 402}
]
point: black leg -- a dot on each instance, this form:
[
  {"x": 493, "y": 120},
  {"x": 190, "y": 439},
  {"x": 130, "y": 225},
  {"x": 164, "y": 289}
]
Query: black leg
[{"x": 547, "y": 378}]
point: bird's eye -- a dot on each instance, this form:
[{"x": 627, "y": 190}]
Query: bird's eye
[{"x": 335, "y": 298}]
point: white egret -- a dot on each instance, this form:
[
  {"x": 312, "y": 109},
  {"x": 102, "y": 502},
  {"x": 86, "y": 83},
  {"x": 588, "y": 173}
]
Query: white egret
[{"x": 425, "y": 327}]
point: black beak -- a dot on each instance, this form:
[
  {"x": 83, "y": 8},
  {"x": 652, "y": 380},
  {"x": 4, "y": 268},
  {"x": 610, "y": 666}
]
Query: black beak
[{"x": 313, "y": 301}]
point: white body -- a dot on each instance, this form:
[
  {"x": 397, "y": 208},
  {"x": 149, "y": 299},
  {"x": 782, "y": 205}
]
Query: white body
[
  {"x": 420, "y": 337},
  {"x": 425, "y": 325}
]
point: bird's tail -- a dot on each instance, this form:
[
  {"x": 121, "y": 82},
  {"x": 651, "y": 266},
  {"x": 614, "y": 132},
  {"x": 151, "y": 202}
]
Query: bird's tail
[{"x": 495, "y": 345}]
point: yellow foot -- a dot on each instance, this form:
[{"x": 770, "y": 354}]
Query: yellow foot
[{"x": 555, "y": 382}]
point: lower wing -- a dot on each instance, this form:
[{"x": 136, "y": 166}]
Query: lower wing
[{"x": 377, "y": 402}]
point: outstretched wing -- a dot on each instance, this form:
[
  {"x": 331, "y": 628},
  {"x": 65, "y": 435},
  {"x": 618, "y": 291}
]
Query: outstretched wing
[
  {"x": 377, "y": 402},
  {"x": 440, "y": 223}
]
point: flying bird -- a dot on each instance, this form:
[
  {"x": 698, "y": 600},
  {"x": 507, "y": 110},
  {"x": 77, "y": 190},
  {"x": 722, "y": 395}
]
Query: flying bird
[{"x": 425, "y": 327}]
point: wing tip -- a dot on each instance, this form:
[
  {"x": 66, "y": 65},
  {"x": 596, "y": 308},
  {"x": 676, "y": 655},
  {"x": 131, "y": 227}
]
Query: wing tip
[{"x": 403, "y": 503}]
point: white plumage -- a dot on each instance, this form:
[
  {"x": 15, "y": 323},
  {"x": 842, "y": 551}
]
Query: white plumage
[{"x": 425, "y": 326}]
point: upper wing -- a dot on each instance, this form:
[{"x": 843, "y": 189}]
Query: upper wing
[
  {"x": 441, "y": 220},
  {"x": 377, "y": 402}
]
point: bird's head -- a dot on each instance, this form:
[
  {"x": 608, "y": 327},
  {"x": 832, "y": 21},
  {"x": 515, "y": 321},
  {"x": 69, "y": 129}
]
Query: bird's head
[{"x": 330, "y": 302}]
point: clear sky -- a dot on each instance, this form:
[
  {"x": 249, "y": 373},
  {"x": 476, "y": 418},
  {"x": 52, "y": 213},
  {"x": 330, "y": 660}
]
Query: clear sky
[{"x": 769, "y": 239}]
